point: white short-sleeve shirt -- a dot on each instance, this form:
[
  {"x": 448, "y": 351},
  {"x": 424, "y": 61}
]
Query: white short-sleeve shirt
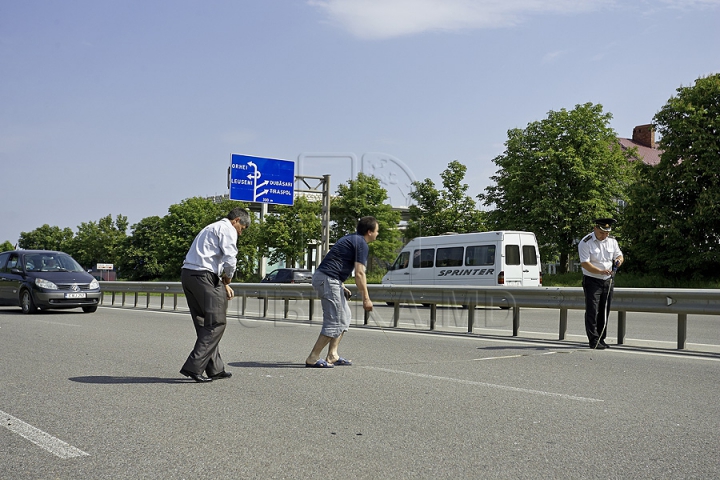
[{"x": 601, "y": 254}]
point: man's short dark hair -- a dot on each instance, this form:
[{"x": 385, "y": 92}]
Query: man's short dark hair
[
  {"x": 241, "y": 214},
  {"x": 366, "y": 224}
]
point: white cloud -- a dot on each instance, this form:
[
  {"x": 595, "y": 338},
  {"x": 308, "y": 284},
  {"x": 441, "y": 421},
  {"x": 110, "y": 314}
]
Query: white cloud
[
  {"x": 378, "y": 19},
  {"x": 552, "y": 56}
]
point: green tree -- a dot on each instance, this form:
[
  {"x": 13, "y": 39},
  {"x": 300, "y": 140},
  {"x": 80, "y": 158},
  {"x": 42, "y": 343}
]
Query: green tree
[
  {"x": 556, "y": 176},
  {"x": 140, "y": 258},
  {"x": 286, "y": 233},
  {"x": 362, "y": 197},
  {"x": 46, "y": 238},
  {"x": 6, "y": 246},
  {"x": 99, "y": 242},
  {"x": 674, "y": 208},
  {"x": 446, "y": 210}
]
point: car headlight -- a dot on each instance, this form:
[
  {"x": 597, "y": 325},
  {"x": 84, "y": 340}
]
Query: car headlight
[
  {"x": 46, "y": 284},
  {"x": 94, "y": 284}
]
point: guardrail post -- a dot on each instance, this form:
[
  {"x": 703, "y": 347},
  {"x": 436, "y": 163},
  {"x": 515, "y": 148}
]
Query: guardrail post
[
  {"x": 244, "y": 304},
  {"x": 162, "y": 300},
  {"x": 147, "y": 300},
  {"x": 136, "y": 299},
  {"x": 396, "y": 314},
  {"x": 433, "y": 315},
  {"x": 286, "y": 307},
  {"x": 682, "y": 330},
  {"x": 265, "y": 306},
  {"x": 123, "y": 300},
  {"x": 311, "y": 309},
  {"x": 516, "y": 320},
  {"x": 174, "y": 301},
  {"x": 563, "y": 322},
  {"x": 366, "y": 316},
  {"x": 471, "y": 317},
  {"x": 622, "y": 324}
]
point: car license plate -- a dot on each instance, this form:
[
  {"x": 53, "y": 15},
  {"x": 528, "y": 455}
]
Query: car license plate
[{"x": 75, "y": 295}]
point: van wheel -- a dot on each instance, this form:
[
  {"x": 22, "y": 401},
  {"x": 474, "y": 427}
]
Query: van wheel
[
  {"x": 89, "y": 309},
  {"x": 27, "y": 304}
]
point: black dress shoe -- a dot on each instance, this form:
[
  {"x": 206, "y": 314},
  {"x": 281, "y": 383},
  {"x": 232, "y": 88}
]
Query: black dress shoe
[
  {"x": 597, "y": 346},
  {"x": 602, "y": 342},
  {"x": 195, "y": 376},
  {"x": 220, "y": 375}
]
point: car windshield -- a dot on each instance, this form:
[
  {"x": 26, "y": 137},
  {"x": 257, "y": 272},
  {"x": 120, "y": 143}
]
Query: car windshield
[{"x": 51, "y": 262}]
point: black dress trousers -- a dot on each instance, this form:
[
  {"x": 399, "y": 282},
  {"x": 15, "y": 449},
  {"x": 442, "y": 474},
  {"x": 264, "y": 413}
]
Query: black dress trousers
[
  {"x": 598, "y": 297},
  {"x": 207, "y": 300}
]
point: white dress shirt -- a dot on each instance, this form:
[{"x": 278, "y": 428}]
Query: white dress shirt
[
  {"x": 214, "y": 249},
  {"x": 601, "y": 254}
]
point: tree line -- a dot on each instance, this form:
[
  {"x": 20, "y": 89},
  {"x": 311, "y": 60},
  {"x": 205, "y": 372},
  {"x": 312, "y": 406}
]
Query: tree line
[{"x": 554, "y": 177}]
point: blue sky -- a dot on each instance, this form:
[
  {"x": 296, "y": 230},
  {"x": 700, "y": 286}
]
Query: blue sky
[{"x": 127, "y": 107}]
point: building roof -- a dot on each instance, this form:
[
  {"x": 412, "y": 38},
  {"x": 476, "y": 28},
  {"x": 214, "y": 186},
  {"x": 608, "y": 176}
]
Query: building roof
[
  {"x": 650, "y": 156},
  {"x": 643, "y": 138}
]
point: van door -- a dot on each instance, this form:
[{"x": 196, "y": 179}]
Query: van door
[
  {"x": 422, "y": 266},
  {"x": 530, "y": 261},
  {"x": 399, "y": 272},
  {"x": 512, "y": 260}
]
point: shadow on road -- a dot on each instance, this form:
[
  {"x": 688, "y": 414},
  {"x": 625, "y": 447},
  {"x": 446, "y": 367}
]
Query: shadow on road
[
  {"x": 266, "y": 365},
  {"x": 107, "y": 379}
]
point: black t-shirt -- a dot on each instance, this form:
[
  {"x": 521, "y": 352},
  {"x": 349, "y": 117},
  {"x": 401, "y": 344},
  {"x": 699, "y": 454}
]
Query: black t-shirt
[{"x": 340, "y": 260}]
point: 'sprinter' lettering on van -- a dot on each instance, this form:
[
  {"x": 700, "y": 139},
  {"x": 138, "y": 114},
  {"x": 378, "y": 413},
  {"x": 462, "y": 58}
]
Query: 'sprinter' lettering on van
[{"x": 484, "y": 271}]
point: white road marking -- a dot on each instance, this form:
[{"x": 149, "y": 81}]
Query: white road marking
[
  {"x": 44, "y": 440},
  {"x": 490, "y": 385}
]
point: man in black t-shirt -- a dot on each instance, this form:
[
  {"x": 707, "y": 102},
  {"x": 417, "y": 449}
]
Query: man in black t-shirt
[{"x": 348, "y": 254}]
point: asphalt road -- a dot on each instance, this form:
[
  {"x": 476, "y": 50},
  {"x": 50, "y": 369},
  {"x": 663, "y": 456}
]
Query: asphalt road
[{"x": 99, "y": 396}]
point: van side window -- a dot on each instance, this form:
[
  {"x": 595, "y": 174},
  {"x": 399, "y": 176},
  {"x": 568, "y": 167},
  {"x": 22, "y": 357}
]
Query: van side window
[
  {"x": 424, "y": 258},
  {"x": 529, "y": 255},
  {"x": 402, "y": 261},
  {"x": 512, "y": 254},
  {"x": 480, "y": 255},
  {"x": 449, "y": 257}
]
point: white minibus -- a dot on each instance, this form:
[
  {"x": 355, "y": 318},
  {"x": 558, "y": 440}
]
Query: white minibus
[{"x": 509, "y": 258}]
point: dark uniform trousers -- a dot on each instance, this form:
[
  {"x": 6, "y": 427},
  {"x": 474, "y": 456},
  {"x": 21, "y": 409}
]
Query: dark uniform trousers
[
  {"x": 597, "y": 303},
  {"x": 207, "y": 300}
]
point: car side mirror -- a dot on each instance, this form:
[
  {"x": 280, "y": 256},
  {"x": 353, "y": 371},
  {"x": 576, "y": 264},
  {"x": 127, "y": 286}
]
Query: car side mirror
[{"x": 16, "y": 270}]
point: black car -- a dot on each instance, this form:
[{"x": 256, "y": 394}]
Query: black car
[
  {"x": 288, "y": 275},
  {"x": 44, "y": 279}
]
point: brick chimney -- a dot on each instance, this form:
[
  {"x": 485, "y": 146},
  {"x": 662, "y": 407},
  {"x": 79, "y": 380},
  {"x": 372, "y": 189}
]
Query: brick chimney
[{"x": 644, "y": 135}]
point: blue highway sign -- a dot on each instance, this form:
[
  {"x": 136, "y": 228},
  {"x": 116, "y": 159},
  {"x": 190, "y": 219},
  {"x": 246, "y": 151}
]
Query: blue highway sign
[{"x": 262, "y": 180}]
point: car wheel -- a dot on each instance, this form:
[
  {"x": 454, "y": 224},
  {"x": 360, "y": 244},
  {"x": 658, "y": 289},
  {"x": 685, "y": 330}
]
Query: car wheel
[
  {"x": 89, "y": 309},
  {"x": 27, "y": 303}
]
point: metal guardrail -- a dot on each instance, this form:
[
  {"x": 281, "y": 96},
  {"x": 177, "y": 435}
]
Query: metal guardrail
[{"x": 680, "y": 302}]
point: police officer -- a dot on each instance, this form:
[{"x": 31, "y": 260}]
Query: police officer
[{"x": 599, "y": 254}]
